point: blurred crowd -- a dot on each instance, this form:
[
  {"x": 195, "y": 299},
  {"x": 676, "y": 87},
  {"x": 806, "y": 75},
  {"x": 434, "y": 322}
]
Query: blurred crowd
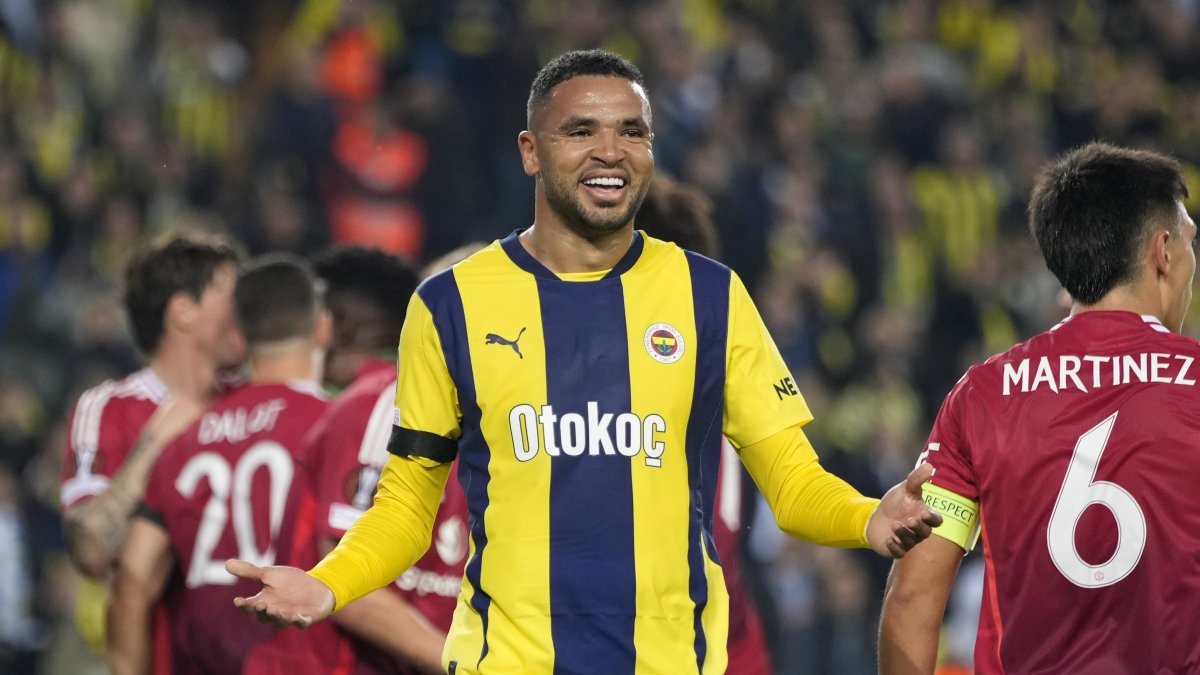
[{"x": 869, "y": 163}]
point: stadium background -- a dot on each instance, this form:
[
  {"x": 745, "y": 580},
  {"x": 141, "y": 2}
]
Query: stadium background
[{"x": 869, "y": 162}]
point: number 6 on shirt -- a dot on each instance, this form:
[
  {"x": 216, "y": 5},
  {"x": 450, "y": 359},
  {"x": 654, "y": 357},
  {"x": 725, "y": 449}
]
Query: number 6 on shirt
[{"x": 1080, "y": 491}]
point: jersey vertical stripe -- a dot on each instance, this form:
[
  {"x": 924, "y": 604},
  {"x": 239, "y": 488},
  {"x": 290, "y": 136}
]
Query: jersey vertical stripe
[
  {"x": 441, "y": 295},
  {"x": 665, "y": 631},
  {"x": 514, "y": 494},
  {"x": 710, "y": 284},
  {"x": 591, "y": 501}
]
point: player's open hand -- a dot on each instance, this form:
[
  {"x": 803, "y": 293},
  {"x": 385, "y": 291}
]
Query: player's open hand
[
  {"x": 902, "y": 519},
  {"x": 289, "y": 597}
]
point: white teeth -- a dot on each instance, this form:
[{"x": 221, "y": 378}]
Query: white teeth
[{"x": 606, "y": 181}]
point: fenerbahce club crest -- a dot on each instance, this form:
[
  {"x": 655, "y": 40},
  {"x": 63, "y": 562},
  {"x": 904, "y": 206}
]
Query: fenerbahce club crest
[{"x": 664, "y": 343}]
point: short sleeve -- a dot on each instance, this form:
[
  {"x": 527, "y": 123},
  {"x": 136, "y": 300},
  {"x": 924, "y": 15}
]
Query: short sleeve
[
  {"x": 428, "y": 417},
  {"x": 948, "y": 450},
  {"x": 97, "y": 442},
  {"x": 761, "y": 397}
]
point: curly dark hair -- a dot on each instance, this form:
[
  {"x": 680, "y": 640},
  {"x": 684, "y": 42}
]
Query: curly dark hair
[{"x": 358, "y": 275}]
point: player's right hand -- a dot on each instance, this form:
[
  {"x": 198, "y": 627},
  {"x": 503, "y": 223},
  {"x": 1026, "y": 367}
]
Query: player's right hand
[{"x": 289, "y": 597}]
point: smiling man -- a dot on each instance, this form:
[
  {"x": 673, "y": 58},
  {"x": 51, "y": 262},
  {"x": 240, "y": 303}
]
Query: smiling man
[{"x": 589, "y": 457}]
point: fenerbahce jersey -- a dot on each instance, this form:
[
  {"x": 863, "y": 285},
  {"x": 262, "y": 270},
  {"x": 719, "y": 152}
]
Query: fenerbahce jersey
[{"x": 587, "y": 417}]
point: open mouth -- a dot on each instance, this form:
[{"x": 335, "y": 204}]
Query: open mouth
[{"x": 604, "y": 188}]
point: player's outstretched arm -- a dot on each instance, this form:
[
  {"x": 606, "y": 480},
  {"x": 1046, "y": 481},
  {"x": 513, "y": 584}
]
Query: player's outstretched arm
[
  {"x": 289, "y": 596},
  {"x": 902, "y": 519},
  {"x": 913, "y": 604},
  {"x": 812, "y": 504}
]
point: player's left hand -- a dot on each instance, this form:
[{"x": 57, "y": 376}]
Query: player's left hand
[
  {"x": 902, "y": 520},
  {"x": 289, "y": 596}
]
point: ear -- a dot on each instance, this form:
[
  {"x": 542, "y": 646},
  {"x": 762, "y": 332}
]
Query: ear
[
  {"x": 182, "y": 312},
  {"x": 527, "y": 143},
  {"x": 323, "y": 333},
  {"x": 1160, "y": 251}
]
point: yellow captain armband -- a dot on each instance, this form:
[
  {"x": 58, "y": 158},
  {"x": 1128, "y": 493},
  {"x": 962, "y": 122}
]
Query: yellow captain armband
[{"x": 960, "y": 516}]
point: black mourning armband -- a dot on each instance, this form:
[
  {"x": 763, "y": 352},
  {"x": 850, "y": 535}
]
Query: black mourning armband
[{"x": 411, "y": 443}]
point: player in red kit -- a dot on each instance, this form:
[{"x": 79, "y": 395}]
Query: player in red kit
[
  {"x": 228, "y": 486},
  {"x": 178, "y": 298},
  {"x": 400, "y": 628},
  {"x": 179, "y": 301},
  {"x": 1074, "y": 453}
]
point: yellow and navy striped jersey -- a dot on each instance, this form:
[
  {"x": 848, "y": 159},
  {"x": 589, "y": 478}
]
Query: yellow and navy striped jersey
[{"x": 587, "y": 418}]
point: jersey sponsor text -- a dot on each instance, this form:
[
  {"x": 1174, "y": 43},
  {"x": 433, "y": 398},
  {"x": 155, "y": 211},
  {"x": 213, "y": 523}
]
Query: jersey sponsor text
[{"x": 573, "y": 434}]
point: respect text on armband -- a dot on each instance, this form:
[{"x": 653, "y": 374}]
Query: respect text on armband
[
  {"x": 592, "y": 433},
  {"x": 960, "y": 521},
  {"x": 963, "y": 513}
]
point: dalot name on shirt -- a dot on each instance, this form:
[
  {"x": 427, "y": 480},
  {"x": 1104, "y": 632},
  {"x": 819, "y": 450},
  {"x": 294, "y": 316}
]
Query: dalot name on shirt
[
  {"x": 1067, "y": 372},
  {"x": 238, "y": 424}
]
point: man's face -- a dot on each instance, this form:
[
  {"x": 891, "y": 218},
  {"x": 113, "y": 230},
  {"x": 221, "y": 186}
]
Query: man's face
[
  {"x": 590, "y": 146},
  {"x": 218, "y": 332},
  {"x": 1181, "y": 276}
]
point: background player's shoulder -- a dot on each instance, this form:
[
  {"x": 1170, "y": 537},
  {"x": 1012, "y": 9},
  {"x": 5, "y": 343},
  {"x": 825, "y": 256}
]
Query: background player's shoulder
[
  {"x": 655, "y": 248},
  {"x": 131, "y": 400},
  {"x": 308, "y": 390},
  {"x": 142, "y": 385},
  {"x": 442, "y": 283}
]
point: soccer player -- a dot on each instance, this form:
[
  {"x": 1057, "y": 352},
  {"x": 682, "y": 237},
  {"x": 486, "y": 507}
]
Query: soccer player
[
  {"x": 226, "y": 487},
  {"x": 582, "y": 375},
  {"x": 1074, "y": 453},
  {"x": 681, "y": 214},
  {"x": 179, "y": 299},
  {"x": 366, "y": 293}
]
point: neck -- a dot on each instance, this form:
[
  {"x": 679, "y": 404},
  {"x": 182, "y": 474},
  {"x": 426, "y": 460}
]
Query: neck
[
  {"x": 343, "y": 364},
  {"x": 565, "y": 251},
  {"x": 283, "y": 362},
  {"x": 1139, "y": 299},
  {"x": 184, "y": 370}
]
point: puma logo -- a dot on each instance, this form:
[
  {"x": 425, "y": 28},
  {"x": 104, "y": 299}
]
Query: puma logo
[{"x": 493, "y": 339}]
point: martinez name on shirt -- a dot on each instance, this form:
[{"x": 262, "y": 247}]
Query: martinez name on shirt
[{"x": 1088, "y": 372}]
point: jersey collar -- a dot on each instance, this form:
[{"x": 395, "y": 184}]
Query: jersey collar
[
  {"x": 1149, "y": 319},
  {"x": 517, "y": 253}
]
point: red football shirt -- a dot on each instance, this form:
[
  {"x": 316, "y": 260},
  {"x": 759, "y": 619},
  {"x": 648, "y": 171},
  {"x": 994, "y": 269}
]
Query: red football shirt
[
  {"x": 1082, "y": 447},
  {"x": 230, "y": 487},
  {"x": 103, "y": 427},
  {"x": 747, "y": 644},
  {"x": 350, "y": 451}
]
